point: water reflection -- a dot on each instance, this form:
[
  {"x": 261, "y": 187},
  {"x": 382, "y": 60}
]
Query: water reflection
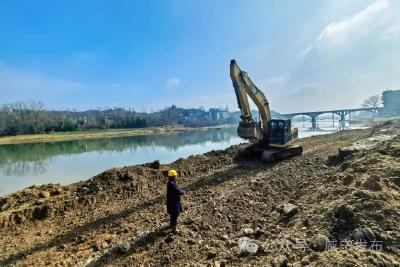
[
  {"x": 33, "y": 159},
  {"x": 19, "y": 168}
]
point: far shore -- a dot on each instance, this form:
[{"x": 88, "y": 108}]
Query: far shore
[{"x": 92, "y": 134}]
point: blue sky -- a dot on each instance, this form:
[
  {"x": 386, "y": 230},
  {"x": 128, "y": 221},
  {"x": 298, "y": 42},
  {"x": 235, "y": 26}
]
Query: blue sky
[{"x": 150, "y": 54}]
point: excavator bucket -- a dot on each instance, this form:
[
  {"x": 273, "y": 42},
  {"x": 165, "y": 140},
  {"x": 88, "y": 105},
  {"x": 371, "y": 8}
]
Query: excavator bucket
[{"x": 250, "y": 131}]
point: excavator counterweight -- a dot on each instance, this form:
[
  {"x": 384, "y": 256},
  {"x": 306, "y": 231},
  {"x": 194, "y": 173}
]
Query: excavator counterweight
[{"x": 272, "y": 138}]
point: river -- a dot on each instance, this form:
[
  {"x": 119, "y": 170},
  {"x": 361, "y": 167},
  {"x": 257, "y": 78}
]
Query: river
[{"x": 23, "y": 165}]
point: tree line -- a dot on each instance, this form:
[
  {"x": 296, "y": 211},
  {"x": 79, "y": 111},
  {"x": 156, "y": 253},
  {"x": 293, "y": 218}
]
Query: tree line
[{"x": 32, "y": 118}]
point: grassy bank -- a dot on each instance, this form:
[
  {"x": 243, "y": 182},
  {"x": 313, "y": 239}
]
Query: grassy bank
[{"x": 109, "y": 133}]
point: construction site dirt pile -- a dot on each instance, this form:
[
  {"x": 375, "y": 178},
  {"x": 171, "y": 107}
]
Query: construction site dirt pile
[{"x": 337, "y": 204}]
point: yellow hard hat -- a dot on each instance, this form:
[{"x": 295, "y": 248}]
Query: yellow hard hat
[{"x": 172, "y": 173}]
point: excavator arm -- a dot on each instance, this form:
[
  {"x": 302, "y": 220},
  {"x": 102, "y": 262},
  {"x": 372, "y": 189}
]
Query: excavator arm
[
  {"x": 248, "y": 128},
  {"x": 240, "y": 91}
]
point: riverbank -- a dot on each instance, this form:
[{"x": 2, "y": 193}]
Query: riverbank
[
  {"x": 343, "y": 189},
  {"x": 92, "y": 134}
]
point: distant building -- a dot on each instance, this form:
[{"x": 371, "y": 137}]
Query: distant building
[
  {"x": 216, "y": 114},
  {"x": 193, "y": 114},
  {"x": 391, "y": 101}
]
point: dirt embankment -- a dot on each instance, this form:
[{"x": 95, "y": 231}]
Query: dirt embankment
[
  {"x": 326, "y": 207},
  {"x": 95, "y": 134}
]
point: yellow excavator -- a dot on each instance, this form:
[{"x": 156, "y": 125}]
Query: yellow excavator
[{"x": 271, "y": 138}]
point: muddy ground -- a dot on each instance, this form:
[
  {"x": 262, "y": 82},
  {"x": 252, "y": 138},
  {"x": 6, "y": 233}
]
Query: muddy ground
[{"x": 336, "y": 205}]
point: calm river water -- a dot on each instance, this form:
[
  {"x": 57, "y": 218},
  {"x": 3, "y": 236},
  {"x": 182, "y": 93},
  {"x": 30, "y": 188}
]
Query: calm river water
[{"x": 66, "y": 162}]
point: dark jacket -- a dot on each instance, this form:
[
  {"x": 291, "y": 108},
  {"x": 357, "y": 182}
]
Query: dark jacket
[{"x": 174, "y": 205}]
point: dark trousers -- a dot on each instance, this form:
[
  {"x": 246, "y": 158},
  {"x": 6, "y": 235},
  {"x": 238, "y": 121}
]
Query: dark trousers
[{"x": 173, "y": 220}]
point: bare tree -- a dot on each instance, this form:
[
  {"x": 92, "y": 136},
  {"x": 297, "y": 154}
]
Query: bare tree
[{"x": 372, "y": 102}]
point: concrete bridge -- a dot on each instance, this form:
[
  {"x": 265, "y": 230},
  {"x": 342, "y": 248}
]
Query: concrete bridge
[{"x": 341, "y": 112}]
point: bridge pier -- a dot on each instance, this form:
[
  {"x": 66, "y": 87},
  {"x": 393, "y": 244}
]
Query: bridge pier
[
  {"x": 314, "y": 125},
  {"x": 342, "y": 121},
  {"x": 349, "y": 119}
]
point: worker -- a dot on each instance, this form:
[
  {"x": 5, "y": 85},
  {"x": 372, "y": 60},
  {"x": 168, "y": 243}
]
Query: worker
[{"x": 174, "y": 193}]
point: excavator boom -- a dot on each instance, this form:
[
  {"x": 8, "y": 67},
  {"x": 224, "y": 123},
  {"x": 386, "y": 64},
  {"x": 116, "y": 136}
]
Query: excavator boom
[{"x": 248, "y": 128}]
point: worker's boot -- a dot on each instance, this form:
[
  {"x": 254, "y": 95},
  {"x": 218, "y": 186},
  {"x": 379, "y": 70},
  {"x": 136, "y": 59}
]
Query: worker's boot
[
  {"x": 173, "y": 223},
  {"x": 175, "y": 230}
]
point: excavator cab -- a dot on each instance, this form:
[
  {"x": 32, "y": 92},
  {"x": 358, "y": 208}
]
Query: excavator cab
[{"x": 280, "y": 132}]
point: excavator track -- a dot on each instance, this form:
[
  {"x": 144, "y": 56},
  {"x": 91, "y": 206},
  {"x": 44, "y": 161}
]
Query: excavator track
[{"x": 270, "y": 154}]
